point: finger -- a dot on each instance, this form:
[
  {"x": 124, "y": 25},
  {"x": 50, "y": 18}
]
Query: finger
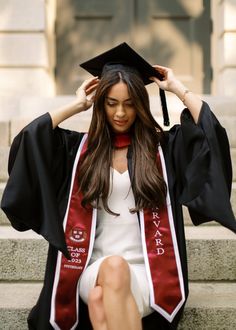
[
  {"x": 87, "y": 85},
  {"x": 88, "y": 82},
  {"x": 91, "y": 88},
  {"x": 90, "y": 97},
  {"x": 160, "y": 67},
  {"x": 91, "y": 92},
  {"x": 155, "y": 79},
  {"x": 162, "y": 70}
]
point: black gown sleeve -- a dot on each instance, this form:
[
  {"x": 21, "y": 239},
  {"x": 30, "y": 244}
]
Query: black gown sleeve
[
  {"x": 202, "y": 166},
  {"x": 39, "y": 167}
]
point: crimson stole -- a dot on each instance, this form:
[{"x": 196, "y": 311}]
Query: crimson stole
[{"x": 160, "y": 249}]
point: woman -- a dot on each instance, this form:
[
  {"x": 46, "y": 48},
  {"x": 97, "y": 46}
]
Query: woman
[
  {"x": 120, "y": 278},
  {"x": 111, "y": 302}
]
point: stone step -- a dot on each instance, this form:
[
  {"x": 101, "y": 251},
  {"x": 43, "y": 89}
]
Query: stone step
[
  {"x": 187, "y": 219},
  {"x": 211, "y": 254},
  {"x": 221, "y": 105},
  {"x": 4, "y": 153},
  {"x": 24, "y": 255},
  {"x": 209, "y": 306},
  {"x": 81, "y": 123},
  {"x": 5, "y": 221},
  {"x": 4, "y": 133},
  {"x": 3, "y": 218},
  {"x": 16, "y": 300},
  {"x": 33, "y": 106}
]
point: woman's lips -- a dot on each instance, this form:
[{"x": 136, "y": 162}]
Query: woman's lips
[{"x": 120, "y": 122}]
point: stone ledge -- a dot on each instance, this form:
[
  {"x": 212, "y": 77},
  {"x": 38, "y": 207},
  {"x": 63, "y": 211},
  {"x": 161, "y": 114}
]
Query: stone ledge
[
  {"x": 4, "y": 133},
  {"x": 227, "y": 77},
  {"x": 209, "y": 306},
  {"x": 209, "y": 233},
  {"x": 3, "y": 218},
  {"x": 4, "y": 153},
  {"x": 82, "y": 121},
  {"x": 18, "y": 17},
  {"x": 203, "y": 294},
  {"x": 220, "y": 105},
  {"x": 187, "y": 219},
  {"x": 211, "y": 254},
  {"x": 23, "y": 49},
  {"x": 9, "y": 106},
  {"x": 38, "y": 103},
  {"x": 12, "y": 293},
  {"x": 33, "y": 106},
  {"x": 25, "y": 81}
]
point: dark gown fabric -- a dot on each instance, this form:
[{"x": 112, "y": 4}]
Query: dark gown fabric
[{"x": 199, "y": 172}]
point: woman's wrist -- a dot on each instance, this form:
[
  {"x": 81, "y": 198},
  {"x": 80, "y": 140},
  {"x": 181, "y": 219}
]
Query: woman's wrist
[
  {"x": 181, "y": 91},
  {"x": 178, "y": 89},
  {"x": 66, "y": 111},
  {"x": 189, "y": 99},
  {"x": 76, "y": 106}
]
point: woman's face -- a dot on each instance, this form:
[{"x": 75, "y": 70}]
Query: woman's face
[{"x": 119, "y": 108}]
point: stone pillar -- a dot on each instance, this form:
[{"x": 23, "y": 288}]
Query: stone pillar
[
  {"x": 224, "y": 47},
  {"x": 26, "y": 52}
]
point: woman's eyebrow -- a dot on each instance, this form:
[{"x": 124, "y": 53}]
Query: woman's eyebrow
[{"x": 113, "y": 99}]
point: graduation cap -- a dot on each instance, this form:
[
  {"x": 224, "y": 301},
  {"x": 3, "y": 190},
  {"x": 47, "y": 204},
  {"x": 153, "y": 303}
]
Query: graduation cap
[{"x": 124, "y": 54}]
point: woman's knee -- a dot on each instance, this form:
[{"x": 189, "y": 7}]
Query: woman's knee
[{"x": 114, "y": 272}]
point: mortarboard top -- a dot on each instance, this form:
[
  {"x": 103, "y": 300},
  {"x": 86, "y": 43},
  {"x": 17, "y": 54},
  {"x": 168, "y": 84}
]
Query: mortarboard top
[{"x": 124, "y": 54}]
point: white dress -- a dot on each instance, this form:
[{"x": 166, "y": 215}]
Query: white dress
[{"x": 119, "y": 235}]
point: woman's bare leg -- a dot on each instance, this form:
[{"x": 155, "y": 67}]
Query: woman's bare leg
[
  {"x": 96, "y": 309},
  {"x": 119, "y": 306}
]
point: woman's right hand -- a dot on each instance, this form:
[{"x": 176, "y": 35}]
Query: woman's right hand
[
  {"x": 86, "y": 92},
  {"x": 85, "y": 97}
]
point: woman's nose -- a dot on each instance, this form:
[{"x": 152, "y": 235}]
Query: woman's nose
[{"x": 120, "y": 111}]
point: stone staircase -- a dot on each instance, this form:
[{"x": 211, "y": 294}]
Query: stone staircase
[{"x": 211, "y": 248}]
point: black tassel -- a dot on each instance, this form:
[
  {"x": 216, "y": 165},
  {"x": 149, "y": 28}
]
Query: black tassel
[{"x": 164, "y": 108}]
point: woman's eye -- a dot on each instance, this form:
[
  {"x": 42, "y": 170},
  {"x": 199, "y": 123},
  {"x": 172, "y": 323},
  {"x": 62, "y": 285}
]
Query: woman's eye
[
  {"x": 129, "y": 104},
  {"x": 110, "y": 104}
]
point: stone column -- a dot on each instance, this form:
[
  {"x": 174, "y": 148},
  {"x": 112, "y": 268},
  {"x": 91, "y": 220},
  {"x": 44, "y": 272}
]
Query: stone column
[
  {"x": 26, "y": 52},
  {"x": 224, "y": 47}
]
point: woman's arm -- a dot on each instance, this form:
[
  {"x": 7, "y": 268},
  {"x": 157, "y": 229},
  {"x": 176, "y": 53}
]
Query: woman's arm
[
  {"x": 172, "y": 84},
  {"x": 84, "y": 100}
]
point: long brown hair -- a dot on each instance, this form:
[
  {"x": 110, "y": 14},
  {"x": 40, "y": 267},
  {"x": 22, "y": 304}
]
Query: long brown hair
[{"x": 147, "y": 183}]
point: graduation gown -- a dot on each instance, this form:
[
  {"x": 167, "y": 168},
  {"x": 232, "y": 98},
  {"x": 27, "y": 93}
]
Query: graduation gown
[{"x": 199, "y": 170}]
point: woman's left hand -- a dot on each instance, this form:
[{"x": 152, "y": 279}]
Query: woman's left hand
[{"x": 170, "y": 82}]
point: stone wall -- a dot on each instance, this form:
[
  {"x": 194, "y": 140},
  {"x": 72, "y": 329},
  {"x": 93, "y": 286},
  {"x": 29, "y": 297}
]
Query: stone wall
[
  {"x": 224, "y": 47},
  {"x": 26, "y": 52}
]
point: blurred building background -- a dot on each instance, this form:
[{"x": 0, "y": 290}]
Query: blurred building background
[{"x": 42, "y": 43}]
